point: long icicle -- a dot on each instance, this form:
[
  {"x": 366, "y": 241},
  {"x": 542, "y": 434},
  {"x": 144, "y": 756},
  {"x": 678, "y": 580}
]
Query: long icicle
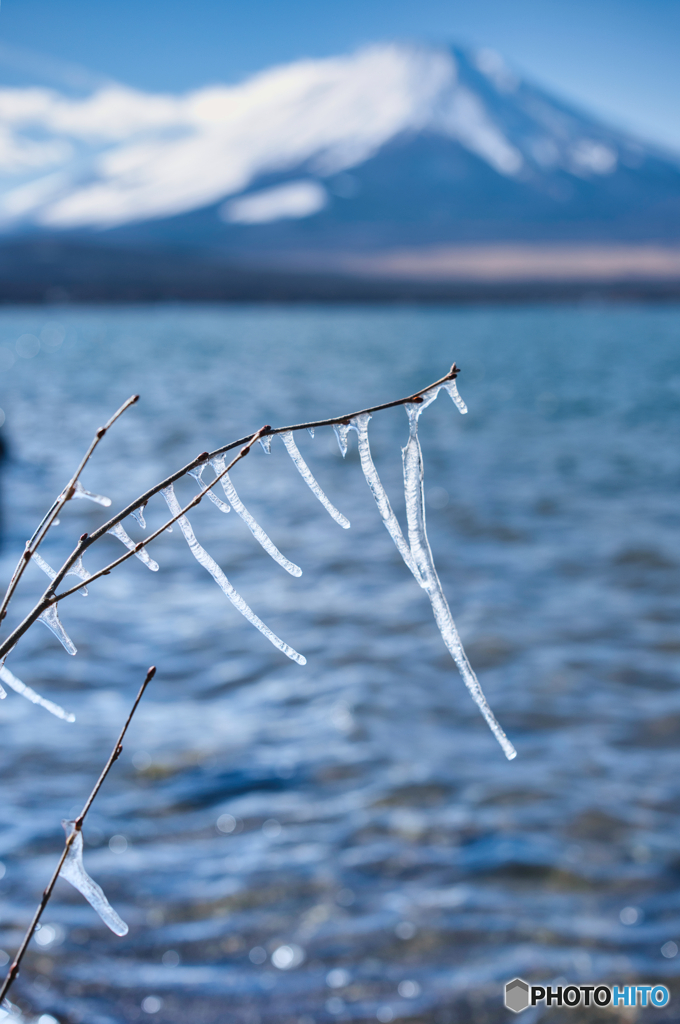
[
  {"x": 198, "y": 477},
  {"x": 74, "y": 872},
  {"x": 422, "y": 554},
  {"x": 209, "y": 563},
  {"x": 35, "y": 698},
  {"x": 360, "y": 424},
  {"x": 308, "y": 477},
  {"x": 254, "y": 527},
  {"x": 143, "y": 555}
]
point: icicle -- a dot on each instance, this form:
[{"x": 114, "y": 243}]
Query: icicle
[
  {"x": 450, "y": 385},
  {"x": 341, "y": 432},
  {"x": 266, "y": 443},
  {"x": 310, "y": 431},
  {"x": 51, "y": 620},
  {"x": 360, "y": 424},
  {"x": 77, "y": 569},
  {"x": 308, "y": 478},
  {"x": 198, "y": 476},
  {"x": 208, "y": 563},
  {"x": 34, "y": 697},
  {"x": 42, "y": 564},
  {"x": 254, "y": 527},
  {"x": 80, "y": 492},
  {"x": 142, "y": 554},
  {"x": 3, "y": 693},
  {"x": 422, "y": 554},
  {"x": 138, "y": 514},
  {"x": 455, "y": 397},
  {"x": 74, "y": 872}
]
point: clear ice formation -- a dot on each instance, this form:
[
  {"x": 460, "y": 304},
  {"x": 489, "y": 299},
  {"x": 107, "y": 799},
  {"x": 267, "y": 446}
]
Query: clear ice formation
[
  {"x": 266, "y": 443},
  {"x": 198, "y": 476},
  {"x": 35, "y": 698},
  {"x": 80, "y": 492},
  {"x": 74, "y": 872},
  {"x": 307, "y": 476},
  {"x": 258, "y": 533},
  {"x": 422, "y": 555},
  {"x": 310, "y": 431},
  {"x": 209, "y": 563},
  {"x": 138, "y": 514},
  {"x": 142, "y": 554},
  {"x": 360, "y": 424},
  {"x": 341, "y": 432},
  {"x": 51, "y": 620},
  {"x": 77, "y": 569}
]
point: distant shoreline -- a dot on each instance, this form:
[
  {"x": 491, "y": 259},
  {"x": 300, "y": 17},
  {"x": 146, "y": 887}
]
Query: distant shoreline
[{"x": 47, "y": 271}]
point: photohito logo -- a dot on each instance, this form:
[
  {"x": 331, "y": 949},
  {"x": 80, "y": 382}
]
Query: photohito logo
[{"x": 519, "y": 995}]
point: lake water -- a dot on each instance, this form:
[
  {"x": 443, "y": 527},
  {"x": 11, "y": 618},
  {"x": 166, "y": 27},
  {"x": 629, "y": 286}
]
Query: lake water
[{"x": 382, "y": 852}]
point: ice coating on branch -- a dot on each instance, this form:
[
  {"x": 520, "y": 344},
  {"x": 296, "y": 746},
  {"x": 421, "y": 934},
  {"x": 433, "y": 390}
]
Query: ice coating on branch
[
  {"x": 254, "y": 527},
  {"x": 360, "y": 424},
  {"x": 35, "y": 698},
  {"x": 142, "y": 554},
  {"x": 80, "y": 492},
  {"x": 310, "y": 431},
  {"x": 341, "y": 432},
  {"x": 51, "y": 620},
  {"x": 266, "y": 443},
  {"x": 74, "y": 872},
  {"x": 452, "y": 389},
  {"x": 209, "y": 563},
  {"x": 198, "y": 476},
  {"x": 450, "y": 385},
  {"x": 138, "y": 514},
  {"x": 308, "y": 477},
  {"x": 77, "y": 569},
  {"x": 422, "y": 555}
]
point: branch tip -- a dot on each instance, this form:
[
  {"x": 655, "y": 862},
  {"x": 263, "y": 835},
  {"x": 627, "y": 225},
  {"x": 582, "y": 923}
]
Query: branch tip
[
  {"x": 83, "y": 536},
  {"x": 150, "y": 674}
]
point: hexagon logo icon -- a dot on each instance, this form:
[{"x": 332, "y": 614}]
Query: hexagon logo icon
[{"x": 516, "y": 995}]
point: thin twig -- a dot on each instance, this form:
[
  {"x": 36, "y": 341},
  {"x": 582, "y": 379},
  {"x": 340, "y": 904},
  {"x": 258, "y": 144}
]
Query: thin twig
[
  {"x": 78, "y": 824},
  {"x": 41, "y": 530}
]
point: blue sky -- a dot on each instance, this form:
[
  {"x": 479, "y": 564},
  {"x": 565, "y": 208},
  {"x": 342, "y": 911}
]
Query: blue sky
[{"x": 617, "y": 57}]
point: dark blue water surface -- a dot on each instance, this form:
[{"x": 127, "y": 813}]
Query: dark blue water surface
[{"x": 379, "y": 833}]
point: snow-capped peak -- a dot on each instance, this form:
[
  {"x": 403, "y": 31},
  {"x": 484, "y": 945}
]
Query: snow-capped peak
[{"x": 120, "y": 155}]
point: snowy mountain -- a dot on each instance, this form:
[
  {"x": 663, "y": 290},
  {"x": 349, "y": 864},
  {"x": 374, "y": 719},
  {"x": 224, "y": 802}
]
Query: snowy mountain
[{"x": 323, "y": 164}]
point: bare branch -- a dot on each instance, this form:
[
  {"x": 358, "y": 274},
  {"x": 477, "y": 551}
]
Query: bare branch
[
  {"x": 115, "y": 753},
  {"x": 41, "y": 531},
  {"x": 49, "y": 596}
]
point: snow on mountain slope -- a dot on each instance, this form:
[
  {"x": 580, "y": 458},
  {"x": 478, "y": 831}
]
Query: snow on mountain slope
[{"x": 119, "y": 157}]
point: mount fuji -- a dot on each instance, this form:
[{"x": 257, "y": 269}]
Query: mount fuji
[{"x": 349, "y": 176}]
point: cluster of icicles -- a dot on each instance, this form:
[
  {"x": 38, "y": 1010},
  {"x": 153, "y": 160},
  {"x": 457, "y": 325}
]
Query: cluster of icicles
[{"x": 415, "y": 552}]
